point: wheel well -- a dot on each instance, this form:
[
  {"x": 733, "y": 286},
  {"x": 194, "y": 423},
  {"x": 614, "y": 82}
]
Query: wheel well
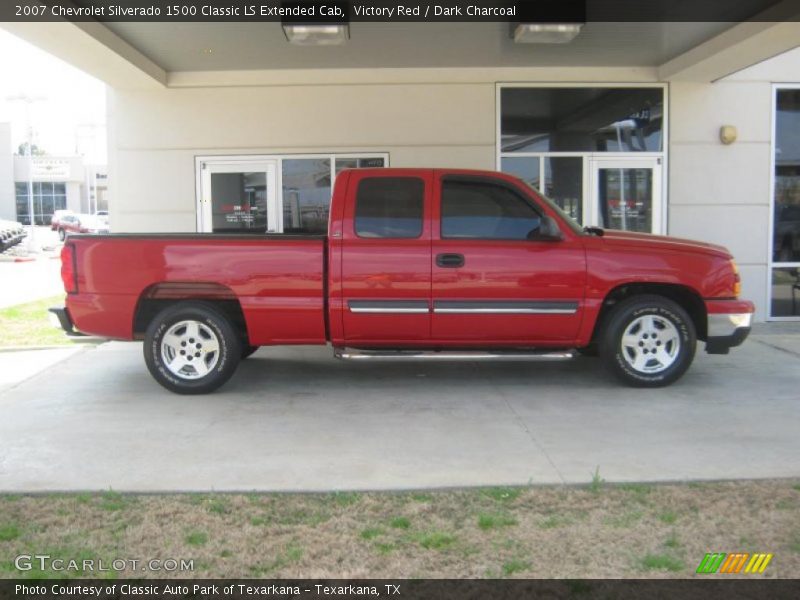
[
  {"x": 687, "y": 298},
  {"x": 162, "y": 295}
]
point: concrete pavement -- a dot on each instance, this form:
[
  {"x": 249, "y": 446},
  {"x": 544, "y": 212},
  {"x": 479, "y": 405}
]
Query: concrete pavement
[
  {"x": 297, "y": 419},
  {"x": 19, "y": 365}
]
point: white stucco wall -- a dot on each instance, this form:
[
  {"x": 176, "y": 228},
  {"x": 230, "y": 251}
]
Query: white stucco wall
[
  {"x": 720, "y": 193},
  {"x": 421, "y": 117}
]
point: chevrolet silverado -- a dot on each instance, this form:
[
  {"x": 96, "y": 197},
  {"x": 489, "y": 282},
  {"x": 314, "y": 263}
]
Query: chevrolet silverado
[{"x": 417, "y": 263}]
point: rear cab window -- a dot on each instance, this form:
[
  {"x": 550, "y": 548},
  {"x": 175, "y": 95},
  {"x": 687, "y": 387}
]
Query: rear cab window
[{"x": 390, "y": 207}]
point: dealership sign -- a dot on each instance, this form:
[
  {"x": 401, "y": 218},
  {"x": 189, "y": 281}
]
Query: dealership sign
[{"x": 50, "y": 168}]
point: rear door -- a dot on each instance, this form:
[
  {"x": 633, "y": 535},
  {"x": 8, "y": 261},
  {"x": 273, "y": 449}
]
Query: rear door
[
  {"x": 494, "y": 282},
  {"x": 386, "y": 258}
]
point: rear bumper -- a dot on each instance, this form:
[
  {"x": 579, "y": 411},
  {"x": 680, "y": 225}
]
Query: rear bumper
[
  {"x": 729, "y": 324},
  {"x": 59, "y": 316}
]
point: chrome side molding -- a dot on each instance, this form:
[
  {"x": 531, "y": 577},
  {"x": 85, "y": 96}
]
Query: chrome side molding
[{"x": 344, "y": 353}]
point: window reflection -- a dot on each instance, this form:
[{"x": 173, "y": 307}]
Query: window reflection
[
  {"x": 306, "y": 195},
  {"x": 239, "y": 202},
  {"x": 358, "y": 163},
  {"x": 525, "y": 167},
  {"x": 626, "y": 199},
  {"x": 786, "y": 239},
  {"x": 563, "y": 184},
  {"x": 581, "y": 119},
  {"x": 786, "y": 292}
]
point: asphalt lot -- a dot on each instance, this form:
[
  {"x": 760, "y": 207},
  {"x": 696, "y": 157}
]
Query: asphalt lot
[{"x": 297, "y": 419}]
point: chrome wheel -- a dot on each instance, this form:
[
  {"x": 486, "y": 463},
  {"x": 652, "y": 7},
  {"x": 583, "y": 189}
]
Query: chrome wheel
[
  {"x": 650, "y": 344},
  {"x": 190, "y": 349}
]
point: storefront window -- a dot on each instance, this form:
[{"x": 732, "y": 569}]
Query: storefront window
[
  {"x": 564, "y": 141},
  {"x": 563, "y": 183},
  {"x": 581, "y": 119},
  {"x": 527, "y": 168},
  {"x": 786, "y": 292},
  {"x": 786, "y": 217},
  {"x": 358, "y": 163},
  {"x": 306, "y": 194},
  {"x": 48, "y": 197}
]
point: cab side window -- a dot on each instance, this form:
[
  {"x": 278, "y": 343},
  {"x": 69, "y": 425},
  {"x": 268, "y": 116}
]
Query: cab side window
[
  {"x": 389, "y": 207},
  {"x": 479, "y": 210}
]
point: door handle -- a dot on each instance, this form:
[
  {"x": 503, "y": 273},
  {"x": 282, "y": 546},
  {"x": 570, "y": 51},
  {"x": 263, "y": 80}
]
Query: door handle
[{"x": 451, "y": 261}]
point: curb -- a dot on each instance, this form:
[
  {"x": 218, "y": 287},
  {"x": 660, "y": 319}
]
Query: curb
[
  {"x": 16, "y": 259},
  {"x": 74, "y": 345}
]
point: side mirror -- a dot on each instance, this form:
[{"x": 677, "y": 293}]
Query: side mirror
[{"x": 548, "y": 230}]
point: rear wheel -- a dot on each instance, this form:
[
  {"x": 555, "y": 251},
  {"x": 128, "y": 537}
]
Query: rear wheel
[
  {"x": 190, "y": 348},
  {"x": 648, "y": 341},
  {"x": 62, "y": 235}
]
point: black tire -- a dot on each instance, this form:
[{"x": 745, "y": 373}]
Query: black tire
[
  {"x": 653, "y": 372},
  {"x": 206, "y": 315},
  {"x": 248, "y": 350},
  {"x": 62, "y": 235}
]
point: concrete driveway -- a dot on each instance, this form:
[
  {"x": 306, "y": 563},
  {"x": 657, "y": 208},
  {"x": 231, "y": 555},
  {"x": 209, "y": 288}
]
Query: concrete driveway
[{"x": 297, "y": 419}]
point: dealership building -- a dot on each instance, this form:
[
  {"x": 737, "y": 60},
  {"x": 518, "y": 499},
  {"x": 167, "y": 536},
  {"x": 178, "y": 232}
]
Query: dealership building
[
  {"x": 685, "y": 129},
  {"x": 57, "y": 182}
]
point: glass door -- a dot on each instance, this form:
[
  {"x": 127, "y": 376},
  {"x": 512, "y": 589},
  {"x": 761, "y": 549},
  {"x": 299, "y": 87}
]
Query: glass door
[
  {"x": 626, "y": 194},
  {"x": 239, "y": 197}
]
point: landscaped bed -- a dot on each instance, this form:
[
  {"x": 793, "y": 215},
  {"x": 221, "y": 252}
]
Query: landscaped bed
[
  {"x": 29, "y": 325},
  {"x": 594, "y": 531}
]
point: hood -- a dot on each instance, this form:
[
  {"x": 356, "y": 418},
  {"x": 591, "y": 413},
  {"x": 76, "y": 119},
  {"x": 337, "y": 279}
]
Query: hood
[{"x": 647, "y": 240}]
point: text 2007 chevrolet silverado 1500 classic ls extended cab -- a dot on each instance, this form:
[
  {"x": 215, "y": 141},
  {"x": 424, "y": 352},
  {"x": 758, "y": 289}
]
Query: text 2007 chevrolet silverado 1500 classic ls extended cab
[{"x": 421, "y": 262}]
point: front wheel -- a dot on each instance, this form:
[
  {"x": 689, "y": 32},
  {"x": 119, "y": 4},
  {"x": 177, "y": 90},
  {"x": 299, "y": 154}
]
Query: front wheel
[
  {"x": 190, "y": 348},
  {"x": 649, "y": 341}
]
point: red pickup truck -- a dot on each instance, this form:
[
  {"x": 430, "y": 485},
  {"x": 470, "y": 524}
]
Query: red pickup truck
[{"x": 417, "y": 263}]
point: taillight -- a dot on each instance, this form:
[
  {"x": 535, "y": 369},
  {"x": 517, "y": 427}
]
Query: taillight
[
  {"x": 69, "y": 274},
  {"x": 737, "y": 280}
]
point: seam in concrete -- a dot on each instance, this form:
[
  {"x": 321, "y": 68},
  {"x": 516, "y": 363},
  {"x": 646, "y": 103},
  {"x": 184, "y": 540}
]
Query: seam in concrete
[
  {"x": 527, "y": 429},
  {"x": 774, "y": 347},
  {"x": 13, "y": 386},
  {"x": 53, "y": 347}
]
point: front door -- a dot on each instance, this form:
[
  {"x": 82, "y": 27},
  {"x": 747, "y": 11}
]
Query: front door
[
  {"x": 239, "y": 197},
  {"x": 626, "y": 194},
  {"x": 494, "y": 282}
]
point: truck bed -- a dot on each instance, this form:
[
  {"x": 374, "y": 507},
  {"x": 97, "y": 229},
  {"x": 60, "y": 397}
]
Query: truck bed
[{"x": 279, "y": 280}]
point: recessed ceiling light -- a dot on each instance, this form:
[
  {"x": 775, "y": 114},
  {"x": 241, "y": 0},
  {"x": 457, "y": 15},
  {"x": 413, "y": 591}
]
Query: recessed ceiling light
[
  {"x": 316, "y": 35},
  {"x": 546, "y": 33}
]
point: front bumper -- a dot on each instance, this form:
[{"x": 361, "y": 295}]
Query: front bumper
[{"x": 727, "y": 330}]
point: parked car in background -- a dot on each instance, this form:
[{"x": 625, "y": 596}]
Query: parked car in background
[
  {"x": 417, "y": 263},
  {"x": 102, "y": 216},
  {"x": 81, "y": 224},
  {"x": 11, "y": 234},
  {"x": 56, "y": 218}
]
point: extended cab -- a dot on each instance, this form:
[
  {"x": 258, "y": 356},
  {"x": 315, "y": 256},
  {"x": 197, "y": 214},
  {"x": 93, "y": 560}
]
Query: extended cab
[{"x": 417, "y": 262}]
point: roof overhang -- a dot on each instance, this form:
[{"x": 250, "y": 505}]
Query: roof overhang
[{"x": 156, "y": 55}]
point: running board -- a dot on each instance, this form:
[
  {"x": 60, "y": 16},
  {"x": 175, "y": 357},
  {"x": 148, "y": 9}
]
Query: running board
[{"x": 453, "y": 355}]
